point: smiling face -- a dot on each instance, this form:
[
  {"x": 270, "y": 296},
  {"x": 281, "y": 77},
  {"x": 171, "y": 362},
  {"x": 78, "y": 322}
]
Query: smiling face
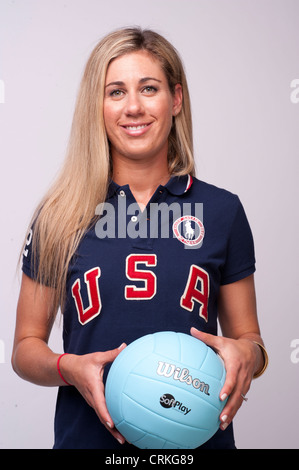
[{"x": 138, "y": 107}]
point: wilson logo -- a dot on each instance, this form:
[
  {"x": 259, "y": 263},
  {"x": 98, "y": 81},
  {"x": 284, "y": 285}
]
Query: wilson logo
[{"x": 176, "y": 373}]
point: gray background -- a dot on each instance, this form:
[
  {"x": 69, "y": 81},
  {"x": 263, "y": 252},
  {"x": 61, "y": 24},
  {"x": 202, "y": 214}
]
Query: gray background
[{"x": 242, "y": 63}]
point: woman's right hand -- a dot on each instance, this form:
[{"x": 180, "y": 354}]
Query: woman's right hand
[{"x": 86, "y": 374}]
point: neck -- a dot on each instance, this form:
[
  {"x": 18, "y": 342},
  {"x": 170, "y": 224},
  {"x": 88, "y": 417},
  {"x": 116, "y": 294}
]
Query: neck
[{"x": 142, "y": 177}]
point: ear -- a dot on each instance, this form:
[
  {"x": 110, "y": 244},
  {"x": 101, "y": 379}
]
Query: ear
[{"x": 177, "y": 99}]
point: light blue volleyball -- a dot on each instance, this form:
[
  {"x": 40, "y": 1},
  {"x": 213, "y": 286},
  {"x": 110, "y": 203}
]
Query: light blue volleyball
[{"x": 162, "y": 391}]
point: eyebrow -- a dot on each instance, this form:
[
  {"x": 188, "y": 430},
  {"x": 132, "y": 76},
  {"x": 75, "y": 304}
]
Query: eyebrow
[{"x": 142, "y": 80}]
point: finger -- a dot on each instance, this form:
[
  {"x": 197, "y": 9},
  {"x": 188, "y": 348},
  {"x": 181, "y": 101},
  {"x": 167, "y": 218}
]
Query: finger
[
  {"x": 231, "y": 389},
  {"x": 234, "y": 389},
  {"x": 233, "y": 404},
  {"x": 95, "y": 394},
  {"x": 231, "y": 378},
  {"x": 210, "y": 340},
  {"x": 109, "y": 356},
  {"x": 100, "y": 407}
]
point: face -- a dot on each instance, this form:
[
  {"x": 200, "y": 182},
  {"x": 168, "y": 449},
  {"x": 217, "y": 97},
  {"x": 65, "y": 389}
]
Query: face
[{"x": 139, "y": 107}]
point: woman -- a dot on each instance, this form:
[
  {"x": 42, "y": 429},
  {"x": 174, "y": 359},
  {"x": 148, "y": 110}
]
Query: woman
[{"x": 99, "y": 252}]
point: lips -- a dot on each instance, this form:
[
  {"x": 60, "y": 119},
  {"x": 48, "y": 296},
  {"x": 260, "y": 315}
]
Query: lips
[{"x": 136, "y": 129}]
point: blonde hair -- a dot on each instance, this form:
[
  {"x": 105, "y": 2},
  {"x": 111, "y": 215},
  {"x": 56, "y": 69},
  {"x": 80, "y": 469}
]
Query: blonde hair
[{"x": 68, "y": 208}]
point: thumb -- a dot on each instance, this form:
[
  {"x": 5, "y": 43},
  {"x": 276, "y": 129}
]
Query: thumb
[
  {"x": 110, "y": 356},
  {"x": 208, "y": 339}
]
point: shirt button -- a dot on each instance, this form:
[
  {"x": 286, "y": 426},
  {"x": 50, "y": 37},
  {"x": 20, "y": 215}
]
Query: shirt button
[
  {"x": 122, "y": 193},
  {"x": 134, "y": 218}
]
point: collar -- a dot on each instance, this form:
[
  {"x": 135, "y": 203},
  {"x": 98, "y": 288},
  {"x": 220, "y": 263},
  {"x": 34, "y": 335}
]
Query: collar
[
  {"x": 177, "y": 185},
  {"x": 112, "y": 188}
]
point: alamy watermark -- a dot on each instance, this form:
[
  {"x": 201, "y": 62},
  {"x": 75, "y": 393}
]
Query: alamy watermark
[
  {"x": 295, "y": 353},
  {"x": 294, "y": 96},
  {"x": 181, "y": 221}
]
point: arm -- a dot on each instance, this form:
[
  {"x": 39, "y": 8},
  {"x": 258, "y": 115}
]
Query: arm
[
  {"x": 33, "y": 360},
  {"x": 242, "y": 357}
]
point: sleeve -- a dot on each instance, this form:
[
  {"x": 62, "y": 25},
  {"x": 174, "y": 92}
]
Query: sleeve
[
  {"x": 240, "y": 256},
  {"x": 29, "y": 267}
]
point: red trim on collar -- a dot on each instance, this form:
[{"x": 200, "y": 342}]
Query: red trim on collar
[{"x": 189, "y": 183}]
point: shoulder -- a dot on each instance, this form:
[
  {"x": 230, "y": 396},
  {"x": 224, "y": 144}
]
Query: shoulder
[{"x": 210, "y": 194}]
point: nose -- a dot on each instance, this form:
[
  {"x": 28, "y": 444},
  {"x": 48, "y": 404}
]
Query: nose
[{"x": 134, "y": 105}]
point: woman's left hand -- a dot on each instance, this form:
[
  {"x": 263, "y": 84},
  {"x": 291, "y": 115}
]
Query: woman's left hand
[{"x": 240, "y": 358}]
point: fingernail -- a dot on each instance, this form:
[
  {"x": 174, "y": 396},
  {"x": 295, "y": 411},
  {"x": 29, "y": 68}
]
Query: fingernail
[
  {"x": 122, "y": 345},
  {"x": 223, "y": 397},
  {"x": 120, "y": 441},
  {"x": 224, "y": 426},
  {"x": 224, "y": 418},
  {"x": 109, "y": 425}
]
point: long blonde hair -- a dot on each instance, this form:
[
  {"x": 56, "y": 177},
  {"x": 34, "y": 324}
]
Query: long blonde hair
[{"x": 68, "y": 208}]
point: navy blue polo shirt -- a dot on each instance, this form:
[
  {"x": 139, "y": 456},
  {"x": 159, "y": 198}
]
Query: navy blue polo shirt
[{"x": 138, "y": 272}]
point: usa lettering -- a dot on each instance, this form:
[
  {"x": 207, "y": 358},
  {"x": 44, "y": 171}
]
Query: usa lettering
[
  {"x": 140, "y": 269},
  {"x": 170, "y": 370},
  {"x": 95, "y": 305}
]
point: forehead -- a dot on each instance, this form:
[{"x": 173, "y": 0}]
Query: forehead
[{"x": 135, "y": 65}]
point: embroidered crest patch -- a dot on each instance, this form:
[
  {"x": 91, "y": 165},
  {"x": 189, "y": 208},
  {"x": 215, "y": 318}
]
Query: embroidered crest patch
[{"x": 189, "y": 230}]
